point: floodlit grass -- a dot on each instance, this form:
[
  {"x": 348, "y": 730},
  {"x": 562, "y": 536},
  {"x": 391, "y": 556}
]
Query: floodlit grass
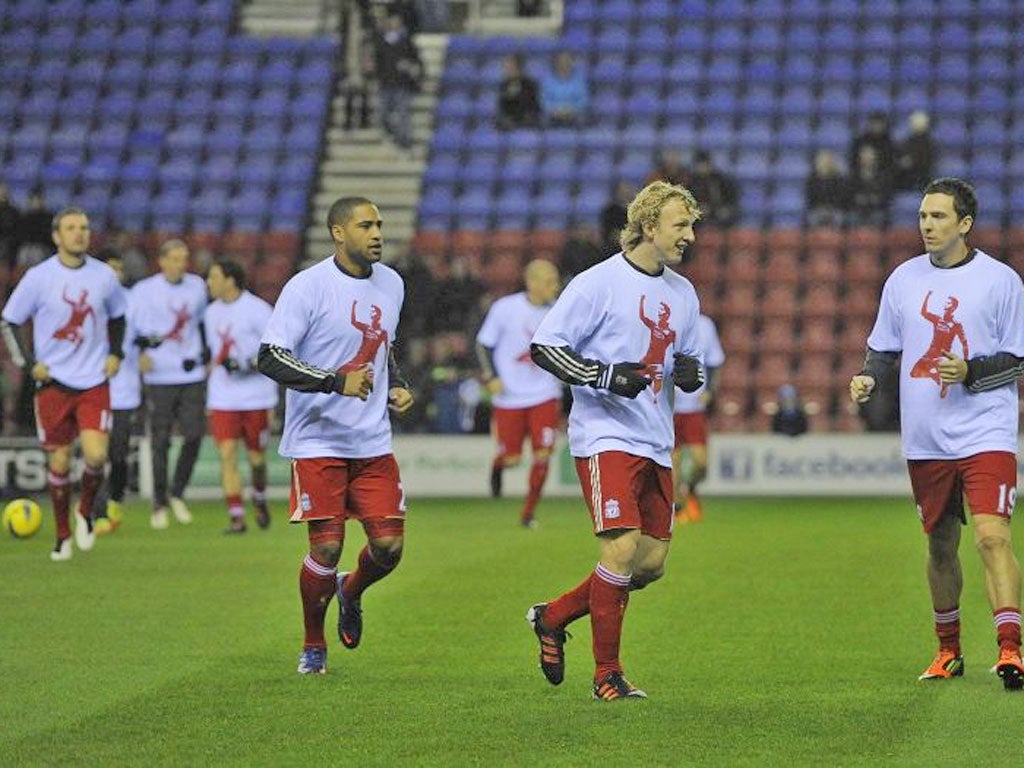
[{"x": 785, "y": 632}]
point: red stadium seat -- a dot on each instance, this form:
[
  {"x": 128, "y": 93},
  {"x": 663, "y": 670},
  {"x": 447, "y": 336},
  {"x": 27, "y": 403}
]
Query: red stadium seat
[
  {"x": 710, "y": 242},
  {"x": 853, "y": 341},
  {"x": 236, "y": 243},
  {"x": 547, "y": 240},
  {"x": 823, "y": 267},
  {"x": 861, "y": 301},
  {"x": 468, "y": 240},
  {"x": 1013, "y": 241},
  {"x": 738, "y": 300},
  {"x": 208, "y": 241},
  {"x": 863, "y": 265},
  {"x": 427, "y": 241},
  {"x": 777, "y": 336},
  {"x": 509, "y": 242},
  {"x": 780, "y": 301},
  {"x": 742, "y": 266},
  {"x": 866, "y": 238},
  {"x": 503, "y": 272},
  {"x": 821, "y": 301},
  {"x": 989, "y": 240},
  {"x": 824, "y": 241},
  {"x": 737, "y": 337},
  {"x": 282, "y": 243},
  {"x": 784, "y": 239},
  {"x": 772, "y": 372},
  {"x": 782, "y": 266},
  {"x": 818, "y": 337},
  {"x": 742, "y": 239},
  {"x": 905, "y": 242},
  {"x": 725, "y": 423}
]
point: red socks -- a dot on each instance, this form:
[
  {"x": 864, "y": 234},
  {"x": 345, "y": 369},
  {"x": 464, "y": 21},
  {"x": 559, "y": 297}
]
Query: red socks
[
  {"x": 609, "y": 594},
  {"x": 316, "y": 585},
  {"x": 1007, "y": 622},
  {"x": 573, "y": 605},
  {"x": 538, "y": 474},
  {"x": 236, "y": 509},
  {"x": 369, "y": 570},
  {"x": 60, "y": 497},
  {"x": 92, "y": 478},
  {"x": 947, "y": 628}
]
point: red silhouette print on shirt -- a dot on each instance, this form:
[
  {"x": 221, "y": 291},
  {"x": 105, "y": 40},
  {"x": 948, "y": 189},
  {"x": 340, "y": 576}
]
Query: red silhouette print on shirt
[
  {"x": 181, "y": 318},
  {"x": 373, "y": 337},
  {"x": 661, "y": 339},
  {"x": 525, "y": 356},
  {"x": 946, "y": 330},
  {"x": 80, "y": 311},
  {"x": 227, "y": 344}
]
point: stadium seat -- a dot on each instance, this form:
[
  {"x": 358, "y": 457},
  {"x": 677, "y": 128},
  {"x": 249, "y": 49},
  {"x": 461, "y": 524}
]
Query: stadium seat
[{"x": 780, "y": 303}]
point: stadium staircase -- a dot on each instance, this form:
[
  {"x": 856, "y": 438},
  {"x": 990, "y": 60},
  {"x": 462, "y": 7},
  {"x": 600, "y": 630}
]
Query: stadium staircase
[{"x": 294, "y": 18}]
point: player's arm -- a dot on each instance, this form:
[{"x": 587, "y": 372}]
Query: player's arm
[
  {"x": 564, "y": 363},
  {"x": 285, "y": 368},
  {"x": 400, "y": 397},
  {"x": 992, "y": 372},
  {"x": 876, "y": 364},
  {"x": 116, "y": 328},
  {"x": 488, "y": 373},
  {"x": 18, "y": 340}
]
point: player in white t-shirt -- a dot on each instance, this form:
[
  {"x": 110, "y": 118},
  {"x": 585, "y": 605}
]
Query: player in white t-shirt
[
  {"x": 167, "y": 313},
  {"x": 527, "y": 399},
  {"x": 125, "y": 399},
  {"x": 77, "y": 313},
  {"x": 332, "y": 333},
  {"x": 238, "y": 397},
  {"x": 622, "y": 333},
  {"x": 953, "y": 318},
  {"x": 691, "y": 426}
]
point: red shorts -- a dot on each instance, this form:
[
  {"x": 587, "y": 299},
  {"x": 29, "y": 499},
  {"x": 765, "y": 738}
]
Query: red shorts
[
  {"x": 691, "y": 428},
  {"x": 511, "y": 426},
  {"x": 61, "y": 413},
  {"x": 626, "y": 491},
  {"x": 368, "y": 490},
  {"x": 251, "y": 426},
  {"x": 988, "y": 480}
]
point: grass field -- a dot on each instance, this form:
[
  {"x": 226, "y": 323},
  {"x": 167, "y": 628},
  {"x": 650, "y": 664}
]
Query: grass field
[{"x": 786, "y": 632}]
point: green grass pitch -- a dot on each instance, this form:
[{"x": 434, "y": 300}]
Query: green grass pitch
[{"x": 786, "y": 632}]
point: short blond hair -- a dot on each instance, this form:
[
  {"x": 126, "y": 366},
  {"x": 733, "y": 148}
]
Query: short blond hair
[{"x": 646, "y": 208}]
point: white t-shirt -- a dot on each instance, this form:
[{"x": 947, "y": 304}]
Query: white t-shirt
[
  {"x": 508, "y": 330},
  {"x": 126, "y": 386},
  {"x": 333, "y": 320},
  {"x": 614, "y": 312},
  {"x": 970, "y": 310},
  {"x": 714, "y": 356},
  {"x": 69, "y": 309},
  {"x": 234, "y": 330},
  {"x": 173, "y": 312}
]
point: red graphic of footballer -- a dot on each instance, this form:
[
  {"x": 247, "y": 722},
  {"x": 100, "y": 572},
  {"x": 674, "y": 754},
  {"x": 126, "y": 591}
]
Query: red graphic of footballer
[
  {"x": 227, "y": 345},
  {"x": 181, "y": 318},
  {"x": 661, "y": 339},
  {"x": 526, "y": 357},
  {"x": 373, "y": 337},
  {"x": 946, "y": 330},
  {"x": 80, "y": 310}
]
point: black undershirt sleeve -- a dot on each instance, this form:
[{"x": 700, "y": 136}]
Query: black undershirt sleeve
[
  {"x": 115, "y": 332},
  {"x": 285, "y": 368},
  {"x": 485, "y": 358},
  {"x": 876, "y": 364},
  {"x": 395, "y": 377},
  {"x": 19, "y": 343},
  {"x": 569, "y": 366},
  {"x": 992, "y": 372}
]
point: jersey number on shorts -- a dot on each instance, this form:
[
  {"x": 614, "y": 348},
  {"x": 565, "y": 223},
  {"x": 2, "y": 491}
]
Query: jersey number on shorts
[{"x": 1007, "y": 499}]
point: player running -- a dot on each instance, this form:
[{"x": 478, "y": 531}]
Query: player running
[
  {"x": 72, "y": 353},
  {"x": 527, "y": 399},
  {"x": 620, "y": 427},
  {"x": 959, "y": 428},
  {"x": 342, "y": 461}
]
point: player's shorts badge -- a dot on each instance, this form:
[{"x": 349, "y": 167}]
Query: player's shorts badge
[
  {"x": 305, "y": 503},
  {"x": 611, "y": 509}
]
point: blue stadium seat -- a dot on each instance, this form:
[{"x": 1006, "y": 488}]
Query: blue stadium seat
[
  {"x": 989, "y": 98},
  {"x": 951, "y": 37},
  {"x": 911, "y": 96},
  {"x": 611, "y": 69},
  {"x": 762, "y": 69},
  {"x": 653, "y": 39},
  {"x": 31, "y": 138},
  {"x": 758, "y": 101},
  {"x": 614, "y": 39},
  {"x": 832, "y": 133},
  {"x": 481, "y": 170},
  {"x": 993, "y": 36},
  {"x": 271, "y": 101},
  {"x": 720, "y": 102},
  {"x": 40, "y": 106},
  {"x": 952, "y": 69},
  {"x": 873, "y": 98},
  {"x": 560, "y": 139},
  {"x": 878, "y": 37},
  {"x": 836, "y": 102},
  {"x": 686, "y": 70},
  {"x": 580, "y": 10},
  {"x": 792, "y": 165},
  {"x": 752, "y": 164},
  {"x": 644, "y": 106},
  {"x": 795, "y": 132},
  {"x": 717, "y": 134},
  {"x": 198, "y": 106},
  {"x": 678, "y": 135},
  {"x": 724, "y": 69},
  {"x": 987, "y": 165},
  {"x": 876, "y": 70},
  {"x": 990, "y": 68},
  {"x": 802, "y": 38},
  {"x": 756, "y": 134},
  {"x": 838, "y": 68},
  {"x": 617, "y": 11},
  {"x": 728, "y": 39},
  {"x": 689, "y": 38},
  {"x": 173, "y": 41},
  {"x": 88, "y": 71},
  {"x": 186, "y": 140},
  {"x": 766, "y": 37},
  {"x": 915, "y": 36},
  {"x": 110, "y": 137},
  {"x": 226, "y": 137},
  {"x": 913, "y": 69},
  {"x": 839, "y": 36},
  {"x": 310, "y": 106},
  {"x": 799, "y": 69}
]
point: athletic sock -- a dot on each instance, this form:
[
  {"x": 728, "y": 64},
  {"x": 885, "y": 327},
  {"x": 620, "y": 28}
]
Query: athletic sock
[
  {"x": 316, "y": 585},
  {"x": 1007, "y": 622},
  {"x": 92, "y": 478},
  {"x": 573, "y": 605},
  {"x": 60, "y": 497},
  {"x": 496, "y": 470},
  {"x": 538, "y": 474},
  {"x": 609, "y": 594},
  {"x": 369, "y": 571},
  {"x": 235, "y": 508},
  {"x": 259, "y": 485},
  {"x": 947, "y": 628}
]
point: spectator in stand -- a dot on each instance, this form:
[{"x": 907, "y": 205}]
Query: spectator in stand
[
  {"x": 790, "y": 418},
  {"x": 580, "y": 251},
  {"x": 915, "y": 156},
  {"x": 518, "y": 97},
  {"x": 420, "y": 293},
  {"x": 875, "y": 135},
  {"x": 613, "y": 215},
  {"x": 871, "y": 186},
  {"x": 563, "y": 92},
  {"x": 399, "y": 73},
  {"x": 9, "y": 222},
  {"x": 34, "y": 232},
  {"x": 716, "y": 191},
  {"x": 458, "y": 295},
  {"x": 668, "y": 167},
  {"x": 827, "y": 192},
  {"x": 121, "y": 246}
]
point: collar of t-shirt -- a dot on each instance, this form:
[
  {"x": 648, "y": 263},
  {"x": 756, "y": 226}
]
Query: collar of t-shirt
[{"x": 967, "y": 260}]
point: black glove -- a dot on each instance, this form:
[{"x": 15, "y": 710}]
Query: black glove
[
  {"x": 623, "y": 379},
  {"x": 230, "y": 364},
  {"x": 189, "y": 365},
  {"x": 688, "y": 374},
  {"x": 148, "y": 342}
]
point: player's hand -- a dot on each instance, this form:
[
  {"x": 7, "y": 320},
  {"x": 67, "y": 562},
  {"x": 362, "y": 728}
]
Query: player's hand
[
  {"x": 400, "y": 400},
  {"x": 40, "y": 372},
  {"x": 953, "y": 369},
  {"x": 357, "y": 383},
  {"x": 145, "y": 363},
  {"x": 111, "y": 366},
  {"x": 230, "y": 364},
  {"x": 148, "y": 342},
  {"x": 625, "y": 379},
  {"x": 687, "y": 374},
  {"x": 861, "y": 387},
  {"x": 494, "y": 386}
]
